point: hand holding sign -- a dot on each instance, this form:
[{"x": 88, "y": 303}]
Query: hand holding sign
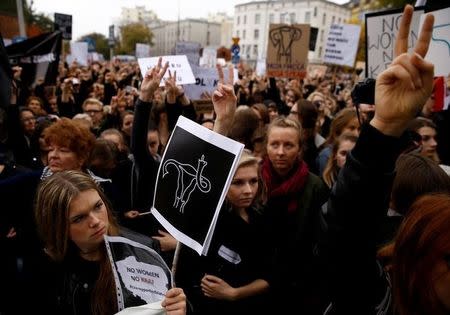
[
  {"x": 402, "y": 89},
  {"x": 224, "y": 101},
  {"x": 151, "y": 81}
]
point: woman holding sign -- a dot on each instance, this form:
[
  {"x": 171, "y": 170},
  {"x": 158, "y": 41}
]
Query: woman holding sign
[{"x": 72, "y": 216}]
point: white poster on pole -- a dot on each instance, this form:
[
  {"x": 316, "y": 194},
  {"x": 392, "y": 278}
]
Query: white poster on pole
[
  {"x": 209, "y": 57},
  {"x": 179, "y": 64},
  {"x": 206, "y": 80},
  {"x": 142, "y": 50},
  {"x": 381, "y": 31},
  {"x": 78, "y": 53},
  {"x": 439, "y": 50},
  {"x": 342, "y": 44}
]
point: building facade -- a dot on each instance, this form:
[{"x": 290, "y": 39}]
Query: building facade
[
  {"x": 252, "y": 20},
  {"x": 226, "y": 27},
  {"x": 192, "y": 30}
]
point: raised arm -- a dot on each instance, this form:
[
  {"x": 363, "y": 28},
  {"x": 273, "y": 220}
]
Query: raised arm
[{"x": 224, "y": 101}]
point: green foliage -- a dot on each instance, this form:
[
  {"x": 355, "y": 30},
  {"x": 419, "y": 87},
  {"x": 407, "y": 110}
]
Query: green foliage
[
  {"x": 395, "y": 4},
  {"x": 131, "y": 34},
  {"x": 31, "y": 17},
  {"x": 101, "y": 43}
]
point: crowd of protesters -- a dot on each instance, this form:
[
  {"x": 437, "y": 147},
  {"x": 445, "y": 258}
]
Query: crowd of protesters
[{"x": 335, "y": 207}]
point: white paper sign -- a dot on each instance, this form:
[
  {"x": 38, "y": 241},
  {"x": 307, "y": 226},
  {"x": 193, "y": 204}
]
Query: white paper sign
[
  {"x": 342, "y": 44},
  {"x": 206, "y": 80},
  {"x": 78, "y": 53},
  {"x": 209, "y": 57},
  {"x": 261, "y": 67},
  {"x": 177, "y": 63},
  {"x": 439, "y": 51},
  {"x": 381, "y": 32},
  {"x": 142, "y": 50}
]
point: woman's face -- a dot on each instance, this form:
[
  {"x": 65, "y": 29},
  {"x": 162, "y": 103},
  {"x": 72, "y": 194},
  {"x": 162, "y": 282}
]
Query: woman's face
[
  {"x": 352, "y": 127},
  {"x": 429, "y": 144},
  {"x": 283, "y": 147},
  {"x": 341, "y": 155},
  {"x": 61, "y": 158},
  {"x": 244, "y": 187},
  {"x": 34, "y": 106},
  {"x": 127, "y": 124},
  {"x": 88, "y": 221}
]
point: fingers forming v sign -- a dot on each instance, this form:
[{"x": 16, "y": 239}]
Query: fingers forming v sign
[
  {"x": 224, "y": 101},
  {"x": 403, "y": 88},
  {"x": 151, "y": 80}
]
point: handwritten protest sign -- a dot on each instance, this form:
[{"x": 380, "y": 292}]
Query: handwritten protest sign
[
  {"x": 342, "y": 44},
  {"x": 381, "y": 31},
  {"x": 206, "y": 80},
  {"x": 193, "y": 179},
  {"x": 78, "y": 53},
  {"x": 439, "y": 51},
  {"x": 287, "y": 50},
  {"x": 179, "y": 64},
  {"x": 142, "y": 50}
]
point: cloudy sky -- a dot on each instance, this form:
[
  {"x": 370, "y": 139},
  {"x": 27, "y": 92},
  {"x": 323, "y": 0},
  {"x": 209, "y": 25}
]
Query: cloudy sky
[{"x": 96, "y": 15}]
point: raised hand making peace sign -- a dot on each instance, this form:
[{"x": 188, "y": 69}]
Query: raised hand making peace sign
[
  {"x": 151, "y": 81},
  {"x": 403, "y": 88},
  {"x": 224, "y": 101}
]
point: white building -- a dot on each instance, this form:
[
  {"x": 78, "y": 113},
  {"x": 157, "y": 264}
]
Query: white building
[
  {"x": 138, "y": 14},
  {"x": 226, "y": 27},
  {"x": 192, "y": 30},
  {"x": 252, "y": 19}
]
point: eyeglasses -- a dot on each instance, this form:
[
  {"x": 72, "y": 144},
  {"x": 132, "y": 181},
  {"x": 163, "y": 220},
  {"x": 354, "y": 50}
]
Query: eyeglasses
[{"x": 93, "y": 111}]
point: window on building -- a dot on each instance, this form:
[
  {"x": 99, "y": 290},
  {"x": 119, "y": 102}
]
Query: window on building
[
  {"x": 245, "y": 19},
  {"x": 324, "y": 18},
  {"x": 255, "y": 50},
  {"x": 321, "y": 35},
  {"x": 320, "y": 52},
  {"x": 247, "y": 52},
  {"x": 238, "y": 20},
  {"x": 271, "y": 18},
  {"x": 339, "y": 20},
  {"x": 315, "y": 11},
  {"x": 257, "y": 18},
  {"x": 333, "y": 18},
  {"x": 256, "y": 34},
  {"x": 292, "y": 18},
  {"x": 257, "y": 6},
  {"x": 307, "y": 17},
  {"x": 243, "y": 34},
  {"x": 237, "y": 33}
]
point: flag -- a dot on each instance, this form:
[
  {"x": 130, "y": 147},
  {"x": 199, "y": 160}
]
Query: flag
[{"x": 38, "y": 56}]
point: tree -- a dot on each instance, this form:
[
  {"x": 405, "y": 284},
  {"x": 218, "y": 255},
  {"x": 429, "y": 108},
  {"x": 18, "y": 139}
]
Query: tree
[
  {"x": 133, "y": 33},
  {"x": 394, "y": 4},
  {"x": 42, "y": 21},
  {"x": 101, "y": 43}
]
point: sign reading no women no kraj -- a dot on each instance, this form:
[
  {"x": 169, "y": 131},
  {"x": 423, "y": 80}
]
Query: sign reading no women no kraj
[
  {"x": 381, "y": 32},
  {"x": 193, "y": 179}
]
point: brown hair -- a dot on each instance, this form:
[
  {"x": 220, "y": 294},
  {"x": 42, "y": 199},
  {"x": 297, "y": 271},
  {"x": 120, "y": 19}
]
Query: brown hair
[
  {"x": 263, "y": 112},
  {"x": 51, "y": 211},
  {"x": 339, "y": 123},
  {"x": 422, "y": 241},
  {"x": 71, "y": 134},
  {"x": 416, "y": 175},
  {"x": 331, "y": 169}
]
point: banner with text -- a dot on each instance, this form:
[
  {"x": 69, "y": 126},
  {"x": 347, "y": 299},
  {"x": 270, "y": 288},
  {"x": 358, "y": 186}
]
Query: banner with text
[
  {"x": 179, "y": 64},
  {"x": 381, "y": 31},
  {"x": 287, "y": 50},
  {"x": 38, "y": 56},
  {"x": 439, "y": 50},
  {"x": 206, "y": 80},
  {"x": 342, "y": 44}
]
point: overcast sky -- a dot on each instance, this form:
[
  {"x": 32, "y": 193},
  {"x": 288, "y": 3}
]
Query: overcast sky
[{"x": 96, "y": 15}]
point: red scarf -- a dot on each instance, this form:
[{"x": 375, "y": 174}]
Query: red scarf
[{"x": 289, "y": 187}]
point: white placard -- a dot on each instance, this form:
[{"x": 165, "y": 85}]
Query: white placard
[
  {"x": 261, "y": 67},
  {"x": 342, "y": 44},
  {"x": 177, "y": 63},
  {"x": 381, "y": 32},
  {"x": 439, "y": 50},
  {"x": 78, "y": 53},
  {"x": 206, "y": 80},
  {"x": 209, "y": 57},
  {"x": 142, "y": 50}
]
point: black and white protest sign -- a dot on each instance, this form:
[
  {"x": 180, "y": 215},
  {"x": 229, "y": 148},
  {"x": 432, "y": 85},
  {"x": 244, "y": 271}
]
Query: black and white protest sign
[
  {"x": 63, "y": 23},
  {"x": 342, "y": 44},
  {"x": 193, "y": 179},
  {"x": 206, "y": 80},
  {"x": 141, "y": 275},
  {"x": 381, "y": 31},
  {"x": 38, "y": 56}
]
